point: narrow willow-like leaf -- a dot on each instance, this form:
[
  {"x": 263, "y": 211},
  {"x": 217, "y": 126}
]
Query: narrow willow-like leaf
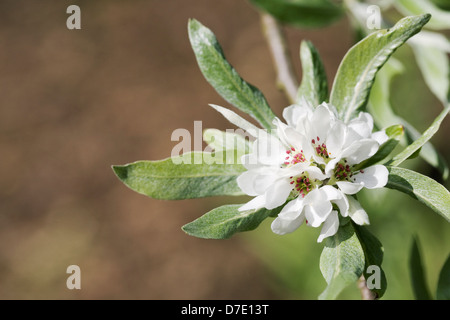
[
  {"x": 383, "y": 115},
  {"x": 431, "y": 52},
  {"x": 341, "y": 262},
  {"x": 225, "y": 221},
  {"x": 422, "y": 188},
  {"x": 419, "y": 284},
  {"x": 417, "y": 144},
  {"x": 314, "y": 85},
  {"x": 443, "y": 287},
  {"x": 394, "y": 133},
  {"x": 184, "y": 177},
  {"x": 221, "y": 140},
  {"x": 302, "y": 13},
  {"x": 224, "y": 78},
  {"x": 440, "y": 19},
  {"x": 373, "y": 252},
  {"x": 360, "y": 65}
]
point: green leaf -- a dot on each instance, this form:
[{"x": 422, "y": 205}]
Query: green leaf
[
  {"x": 221, "y": 140},
  {"x": 419, "y": 143},
  {"x": 422, "y": 188},
  {"x": 431, "y": 52},
  {"x": 302, "y": 13},
  {"x": 341, "y": 262},
  {"x": 314, "y": 85},
  {"x": 225, "y": 221},
  {"x": 443, "y": 287},
  {"x": 381, "y": 110},
  {"x": 394, "y": 133},
  {"x": 360, "y": 65},
  {"x": 440, "y": 19},
  {"x": 373, "y": 253},
  {"x": 184, "y": 177},
  {"x": 418, "y": 281},
  {"x": 224, "y": 78}
]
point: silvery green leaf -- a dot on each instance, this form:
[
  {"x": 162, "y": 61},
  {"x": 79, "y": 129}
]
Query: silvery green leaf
[
  {"x": 225, "y": 221},
  {"x": 224, "y": 78},
  {"x": 422, "y": 188},
  {"x": 314, "y": 85},
  {"x": 341, "y": 262},
  {"x": 360, "y": 65},
  {"x": 381, "y": 110},
  {"x": 192, "y": 175}
]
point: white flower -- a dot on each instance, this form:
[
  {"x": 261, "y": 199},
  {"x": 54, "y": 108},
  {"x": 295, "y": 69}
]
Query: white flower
[{"x": 309, "y": 163}]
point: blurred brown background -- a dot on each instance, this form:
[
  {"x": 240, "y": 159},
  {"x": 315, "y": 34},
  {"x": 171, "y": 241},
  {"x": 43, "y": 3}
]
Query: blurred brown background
[{"x": 74, "y": 102}]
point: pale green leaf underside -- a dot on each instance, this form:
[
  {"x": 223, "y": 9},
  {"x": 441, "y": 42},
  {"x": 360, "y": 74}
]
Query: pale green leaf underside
[
  {"x": 221, "y": 140},
  {"x": 171, "y": 179},
  {"x": 434, "y": 66},
  {"x": 360, "y": 65},
  {"x": 225, "y": 221},
  {"x": 422, "y": 188},
  {"x": 314, "y": 86},
  {"x": 224, "y": 78},
  {"x": 341, "y": 262}
]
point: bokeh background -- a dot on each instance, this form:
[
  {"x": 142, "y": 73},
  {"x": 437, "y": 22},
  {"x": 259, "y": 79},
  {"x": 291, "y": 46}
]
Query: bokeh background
[{"x": 75, "y": 102}]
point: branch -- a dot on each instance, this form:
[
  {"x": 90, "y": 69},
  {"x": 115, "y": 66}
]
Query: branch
[
  {"x": 366, "y": 294},
  {"x": 286, "y": 77}
]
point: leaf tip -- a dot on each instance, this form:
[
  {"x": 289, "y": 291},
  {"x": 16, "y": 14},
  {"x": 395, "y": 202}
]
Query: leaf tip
[{"x": 120, "y": 171}]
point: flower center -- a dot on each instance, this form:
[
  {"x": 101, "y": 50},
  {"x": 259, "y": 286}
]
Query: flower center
[
  {"x": 302, "y": 184},
  {"x": 294, "y": 157},
  {"x": 321, "y": 149},
  {"x": 342, "y": 171}
]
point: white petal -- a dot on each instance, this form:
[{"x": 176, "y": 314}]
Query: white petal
[
  {"x": 282, "y": 226},
  {"x": 380, "y": 137},
  {"x": 256, "y": 203},
  {"x": 336, "y": 196},
  {"x": 293, "y": 113},
  {"x": 290, "y": 217},
  {"x": 358, "y": 130},
  {"x": 335, "y": 139},
  {"x": 357, "y": 213},
  {"x": 277, "y": 193},
  {"x": 322, "y": 121},
  {"x": 330, "y": 226},
  {"x": 317, "y": 207},
  {"x": 292, "y": 209},
  {"x": 373, "y": 177},
  {"x": 245, "y": 181},
  {"x": 250, "y": 161},
  {"x": 360, "y": 150},
  {"x": 268, "y": 149},
  {"x": 349, "y": 187}
]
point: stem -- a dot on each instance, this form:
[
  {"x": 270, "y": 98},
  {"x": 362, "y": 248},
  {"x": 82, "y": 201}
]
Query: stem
[
  {"x": 366, "y": 294},
  {"x": 276, "y": 39}
]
